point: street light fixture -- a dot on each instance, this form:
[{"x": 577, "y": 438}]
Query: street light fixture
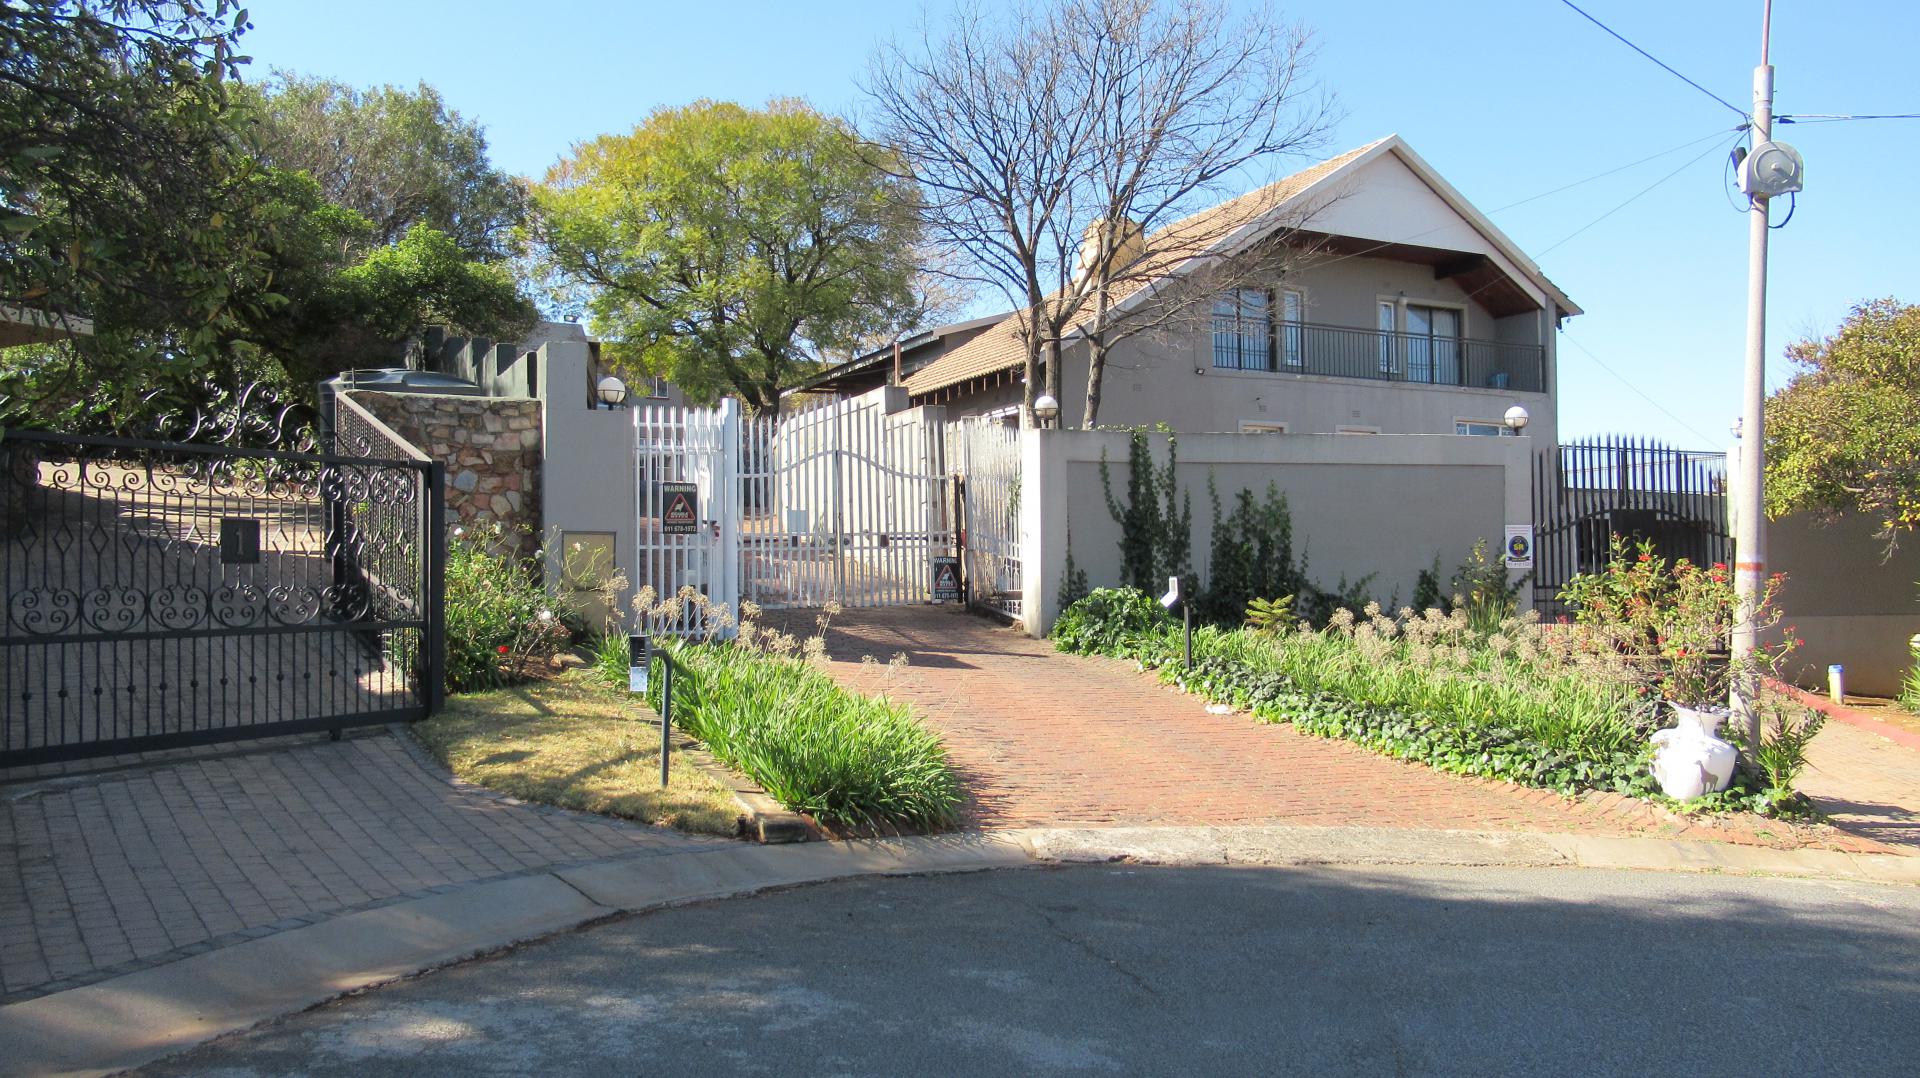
[
  {"x": 1517, "y": 419},
  {"x": 611, "y": 391},
  {"x": 1046, "y": 409}
]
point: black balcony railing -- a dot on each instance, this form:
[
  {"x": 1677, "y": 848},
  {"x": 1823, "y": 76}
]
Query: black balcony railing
[{"x": 1340, "y": 352}]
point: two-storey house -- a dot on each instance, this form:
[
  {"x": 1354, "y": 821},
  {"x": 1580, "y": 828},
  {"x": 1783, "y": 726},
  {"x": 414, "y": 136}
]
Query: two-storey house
[{"x": 1400, "y": 309}]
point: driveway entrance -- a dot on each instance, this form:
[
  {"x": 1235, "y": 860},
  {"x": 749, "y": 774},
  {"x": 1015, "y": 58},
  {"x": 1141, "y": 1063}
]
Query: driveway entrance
[{"x": 1049, "y": 739}]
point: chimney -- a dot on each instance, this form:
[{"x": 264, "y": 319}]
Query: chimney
[{"x": 1125, "y": 244}]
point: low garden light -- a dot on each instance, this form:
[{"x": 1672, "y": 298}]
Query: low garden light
[
  {"x": 1517, "y": 419},
  {"x": 611, "y": 391},
  {"x": 1046, "y": 409}
]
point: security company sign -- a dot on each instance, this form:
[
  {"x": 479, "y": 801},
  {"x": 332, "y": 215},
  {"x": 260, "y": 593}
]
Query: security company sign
[
  {"x": 1519, "y": 547},
  {"x": 679, "y": 508},
  {"x": 946, "y": 579}
]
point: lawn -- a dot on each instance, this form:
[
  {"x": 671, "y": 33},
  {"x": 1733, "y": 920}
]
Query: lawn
[{"x": 571, "y": 742}]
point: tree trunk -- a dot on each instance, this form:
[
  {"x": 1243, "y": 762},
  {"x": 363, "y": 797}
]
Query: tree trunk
[
  {"x": 1096, "y": 359},
  {"x": 1053, "y": 368}
]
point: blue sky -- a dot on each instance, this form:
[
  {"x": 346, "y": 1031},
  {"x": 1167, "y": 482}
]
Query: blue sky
[{"x": 1507, "y": 98}]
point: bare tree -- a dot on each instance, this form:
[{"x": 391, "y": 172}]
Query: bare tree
[{"x": 1067, "y": 154}]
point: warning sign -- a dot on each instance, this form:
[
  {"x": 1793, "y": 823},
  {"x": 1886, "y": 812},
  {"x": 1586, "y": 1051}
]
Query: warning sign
[
  {"x": 946, "y": 579},
  {"x": 679, "y": 508}
]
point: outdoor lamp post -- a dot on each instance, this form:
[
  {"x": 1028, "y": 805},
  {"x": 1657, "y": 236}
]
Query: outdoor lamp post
[
  {"x": 1046, "y": 410},
  {"x": 1517, "y": 419},
  {"x": 611, "y": 391}
]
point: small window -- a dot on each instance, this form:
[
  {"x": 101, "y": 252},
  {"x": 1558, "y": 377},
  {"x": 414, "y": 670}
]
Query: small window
[
  {"x": 1485, "y": 428},
  {"x": 1247, "y": 427},
  {"x": 1243, "y": 330},
  {"x": 1356, "y": 430}
]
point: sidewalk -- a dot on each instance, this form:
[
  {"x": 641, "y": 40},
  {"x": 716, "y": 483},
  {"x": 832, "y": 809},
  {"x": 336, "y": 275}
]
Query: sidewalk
[{"x": 108, "y": 873}]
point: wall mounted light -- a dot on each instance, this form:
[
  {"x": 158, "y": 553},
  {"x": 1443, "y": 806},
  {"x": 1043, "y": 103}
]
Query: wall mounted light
[{"x": 1517, "y": 419}]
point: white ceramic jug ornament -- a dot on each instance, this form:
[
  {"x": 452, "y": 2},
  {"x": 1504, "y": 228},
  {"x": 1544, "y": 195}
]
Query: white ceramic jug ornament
[{"x": 1689, "y": 761}]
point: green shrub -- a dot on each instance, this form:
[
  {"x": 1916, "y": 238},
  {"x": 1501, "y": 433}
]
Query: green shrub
[
  {"x": 1109, "y": 621},
  {"x": 851, "y": 761},
  {"x": 1910, "y": 684},
  {"x": 1514, "y": 705},
  {"x": 499, "y": 619}
]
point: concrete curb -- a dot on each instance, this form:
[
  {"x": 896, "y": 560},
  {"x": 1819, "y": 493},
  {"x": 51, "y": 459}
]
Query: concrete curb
[
  {"x": 140, "y": 1017},
  {"x": 1850, "y": 716},
  {"x": 1278, "y": 846}
]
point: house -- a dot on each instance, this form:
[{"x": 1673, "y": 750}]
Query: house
[
  {"x": 881, "y": 366},
  {"x": 1398, "y": 308}
]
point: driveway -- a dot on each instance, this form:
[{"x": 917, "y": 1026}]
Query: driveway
[
  {"x": 118, "y": 870},
  {"x": 1049, "y": 739},
  {"x": 1105, "y": 969}
]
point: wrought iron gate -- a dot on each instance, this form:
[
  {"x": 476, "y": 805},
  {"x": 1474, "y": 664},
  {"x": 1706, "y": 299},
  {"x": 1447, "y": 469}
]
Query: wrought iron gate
[
  {"x": 162, "y": 594},
  {"x": 1587, "y": 492}
]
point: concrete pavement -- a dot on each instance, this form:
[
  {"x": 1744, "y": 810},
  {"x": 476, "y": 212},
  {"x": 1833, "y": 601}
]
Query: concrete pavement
[{"x": 1126, "y": 968}]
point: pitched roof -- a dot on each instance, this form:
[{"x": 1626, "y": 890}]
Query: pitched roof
[{"x": 1222, "y": 228}]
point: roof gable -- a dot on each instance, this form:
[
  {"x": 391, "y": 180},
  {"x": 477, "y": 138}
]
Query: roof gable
[{"x": 1340, "y": 195}]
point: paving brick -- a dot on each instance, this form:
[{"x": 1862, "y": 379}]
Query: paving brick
[{"x": 182, "y": 852}]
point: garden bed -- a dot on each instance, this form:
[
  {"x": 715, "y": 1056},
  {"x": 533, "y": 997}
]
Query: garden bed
[
  {"x": 1512, "y": 700},
  {"x": 857, "y": 764}
]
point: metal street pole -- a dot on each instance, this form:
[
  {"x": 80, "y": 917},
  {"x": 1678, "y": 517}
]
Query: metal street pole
[{"x": 1749, "y": 539}]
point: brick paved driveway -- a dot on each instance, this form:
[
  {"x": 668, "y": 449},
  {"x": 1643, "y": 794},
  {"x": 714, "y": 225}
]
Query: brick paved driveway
[
  {"x": 1044, "y": 738},
  {"x": 105, "y": 873}
]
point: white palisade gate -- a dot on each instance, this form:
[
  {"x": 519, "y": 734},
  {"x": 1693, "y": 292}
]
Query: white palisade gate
[
  {"x": 687, "y": 445},
  {"x": 845, "y": 502},
  {"x": 984, "y": 456}
]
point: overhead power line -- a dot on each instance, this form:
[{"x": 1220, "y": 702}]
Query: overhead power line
[
  {"x": 1625, "y": 381},
  {"x": 1721, "y": 133},
  {"x": 1736, "y": 110},
  {"x": 1825, "y": 118},
  {"x": 1711, "y": 150}
]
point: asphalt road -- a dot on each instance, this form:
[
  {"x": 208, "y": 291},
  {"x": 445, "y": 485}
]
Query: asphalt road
[{"x": 1169, "y": 970}]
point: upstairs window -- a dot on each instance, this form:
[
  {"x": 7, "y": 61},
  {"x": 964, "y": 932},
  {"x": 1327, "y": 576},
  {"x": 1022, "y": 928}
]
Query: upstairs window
[{"x": 1243, "y": 330}]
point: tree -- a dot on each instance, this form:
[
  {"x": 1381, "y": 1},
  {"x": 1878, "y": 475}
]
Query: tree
[
  {"x": 399, "y": 158},
  {"x": 1841, "y": 434},
  {"x": 727, "y": 248},
  {"x": 121, "y": 173},
  {"x": 1065, "y": 157}
]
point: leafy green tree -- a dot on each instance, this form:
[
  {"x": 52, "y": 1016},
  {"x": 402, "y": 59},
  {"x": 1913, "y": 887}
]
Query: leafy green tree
[
  {"x": 400, "y": 158},
  {"x": 122, "y": 177},
  {"x": 1841, "y": 435},
  {"x": 728, "y": 248}
]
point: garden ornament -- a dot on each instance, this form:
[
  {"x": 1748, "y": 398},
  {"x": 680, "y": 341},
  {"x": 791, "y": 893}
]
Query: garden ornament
[{"x": 1689, "y": 760}]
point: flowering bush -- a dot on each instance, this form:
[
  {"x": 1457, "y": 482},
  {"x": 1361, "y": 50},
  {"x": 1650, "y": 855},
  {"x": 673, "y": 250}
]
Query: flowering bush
[
  {"x": 501, "y": 624},
  {"x": 1672, "y": 621}
]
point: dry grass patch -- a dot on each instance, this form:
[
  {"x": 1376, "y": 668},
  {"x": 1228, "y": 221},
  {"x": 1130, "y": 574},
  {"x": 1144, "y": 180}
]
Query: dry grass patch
[{"x": 569, "y": 742}]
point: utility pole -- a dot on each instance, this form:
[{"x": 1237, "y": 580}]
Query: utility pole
[{"x": 1749, "y": 539}]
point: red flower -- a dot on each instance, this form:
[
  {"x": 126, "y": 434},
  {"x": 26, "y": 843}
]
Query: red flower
[
  {"x": 1680, "y": 653},
  {"x": 1646, "y": 557},
  {"x": 1799, "y": 643},
  {"x": 503, "y": 649},
  {"x": 1720, "y": 565}
]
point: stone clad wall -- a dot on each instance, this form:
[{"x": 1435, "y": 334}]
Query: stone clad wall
[{"x": 491, "y": 447}]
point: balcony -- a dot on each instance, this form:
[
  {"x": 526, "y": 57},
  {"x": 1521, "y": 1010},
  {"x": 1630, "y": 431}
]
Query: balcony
[{"x": 1375, "y": 355}]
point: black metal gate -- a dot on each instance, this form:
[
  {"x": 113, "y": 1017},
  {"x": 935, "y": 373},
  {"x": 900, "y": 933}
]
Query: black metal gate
[
  {"x": 162, "y": 594},
  {"x": 1587, "y": 492}
]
